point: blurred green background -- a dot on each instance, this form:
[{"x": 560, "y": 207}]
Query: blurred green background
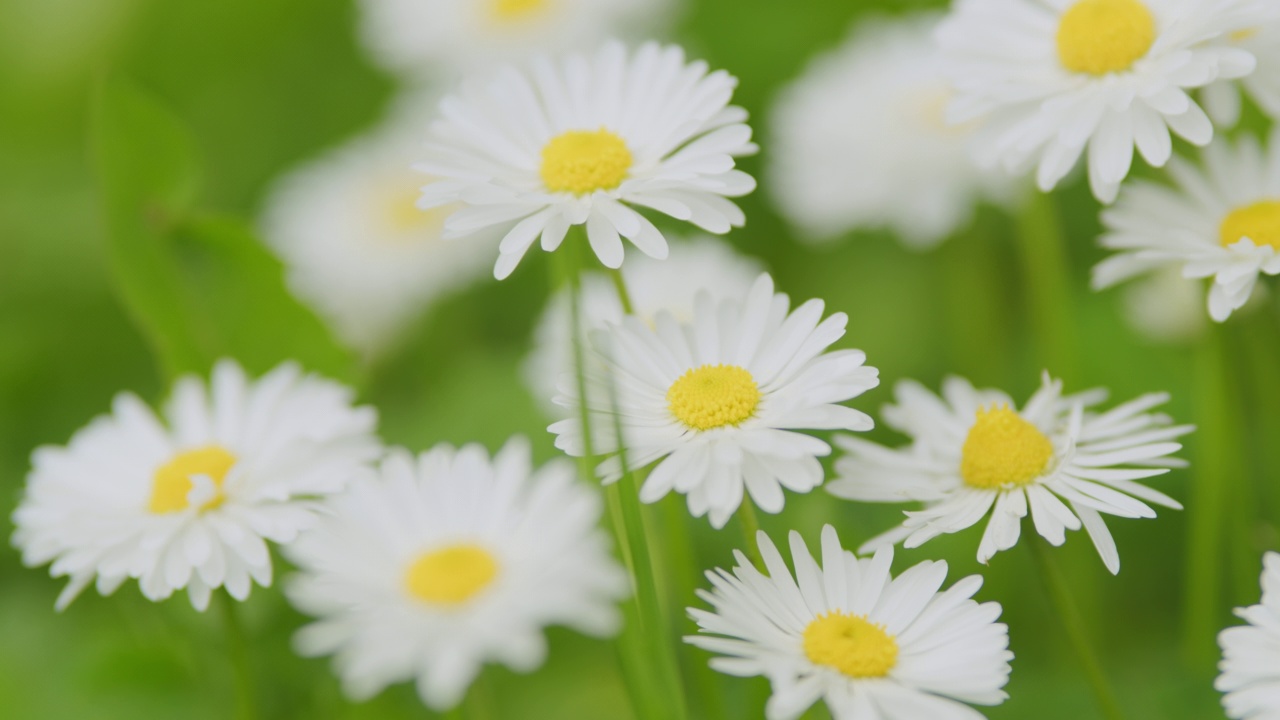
[{"x": 264, "y": 84}]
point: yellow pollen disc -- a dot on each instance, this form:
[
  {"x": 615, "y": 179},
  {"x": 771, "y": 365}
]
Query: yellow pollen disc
[
  {"x": 173, "y": 483},
  {"x": 1240, "y": 36},
  {"x": 713, "y": 396},
  {"x": 850, "y": 644},
  {"x": 451, "y": 575},
  {"x": 1105, "y": 36},
  {"x": 1259, "y": 222},
  {"x": 1002, "y": 449},
  {"x": 582, "y": 161},
  {"x": 515, "y": 10}
]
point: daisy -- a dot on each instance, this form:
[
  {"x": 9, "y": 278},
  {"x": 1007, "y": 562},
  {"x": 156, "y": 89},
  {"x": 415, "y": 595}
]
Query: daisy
[
  {"x": 1050, "y": 77},
  {"x": 1221, "y": 221},
  {"x": 585, "y": 140},
  {"x": 1165, "y": 308},
  {"x": 431, "y": 566},
  {"x": 850, "y": 634},
  {"x": 1251, "y": 654},
  {"x": 717, "y": 402},
  {"x": 1222, "y": 99},
  {"x": 974, "y": 454},
  {"x": 191, "y": 499},
  {"x": 860, "y": 141}
]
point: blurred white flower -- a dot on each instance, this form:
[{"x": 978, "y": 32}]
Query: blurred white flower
[
  {"x": 430, "y": 567},
  {"x": 189, "y": 501},
  {"x": 972, "y": 450},
  {"x": 1165, "y": 307},
  {"x": 1251, "y": 654},
  {"x": 1222, "y": 99},
  {"x": 850, "y": 634},
  {"x": 861, "y": 140},
  {"x": 719, "y": 400},
  {"x": 580, "y": 141}
]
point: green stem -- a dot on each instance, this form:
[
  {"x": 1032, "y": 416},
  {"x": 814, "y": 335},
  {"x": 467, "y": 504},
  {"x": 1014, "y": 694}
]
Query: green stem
[
  {"x": 750, "y": 527},
  {"x": 624, "y": 296},
  {"x": 238, "y": 653},
  {"x": 1047, "y": 274}
]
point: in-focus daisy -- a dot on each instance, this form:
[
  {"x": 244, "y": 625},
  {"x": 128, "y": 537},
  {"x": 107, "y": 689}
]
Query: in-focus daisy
[
  {"x": 1251, "y": 654},
  {"x": 1051, "y": 77},
  {"x": 431, "y": 566},
  {"x": 706, "y": 264},
  {"x": 719, "y": 400},
  {"x": 1219, "y": 221},
  {"x": 584, "y": 141},
  {"x": 974, "y": 453},
  {"x": 1222, "y": 99},
  {"x": 860, "y": 140},
  {"x": 850, "y": 634},
  {"x": 191, "y": 499}
]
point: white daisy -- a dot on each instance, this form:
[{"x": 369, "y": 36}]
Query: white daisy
[
  {"x": 973, "y": 453},
  {"x": 1222, "y": 99},
  {"x": 1251, "y": 654},
  {"x": 705, "y": 263},
  {"x": 429, "y": 567},
  {"x": 582, "y": 141},
  {"x": 849, "y": 633},
  {"x": 1050, "y": 77},
  {"x": 189, "y": 500},
  {"x": 860, "y": 140},
  {"x": 1165, "y": 308},
  {"x": 719, "y": 400},
  {"x": 1220, "y": 221}
]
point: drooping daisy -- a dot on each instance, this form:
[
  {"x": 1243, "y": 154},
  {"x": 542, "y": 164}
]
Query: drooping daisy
[
  {"x": 1251, "y": 654},
  {"x": 860, "y": 140},
  {"x": 431, "y": 566},
  {"x": 584, "y": 141},
  {"x": 1221, "y": 221},
  {"x": 1052, "y": 77},
  {"x": 1222, "y": 99},
  {"x": 706, "y": 264},
  {"x": 190, "y": 500},
  {"x": 974, "y": 454},
  {"x": 719, "y": 401},
  {"x": 850, "y": 634}
]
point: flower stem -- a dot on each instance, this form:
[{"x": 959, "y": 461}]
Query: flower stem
[
  {"x": 750, "y": 527},
  {"x": 1047, "y": 274},
  {"x": 238, "y": 654}
]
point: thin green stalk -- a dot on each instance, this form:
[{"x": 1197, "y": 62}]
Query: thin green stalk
[
  {"x": 1055, "y": 585},
  {"x": 1047, "y": 274},
  {"x": 624, "y": 296},
  {"x": 238, "y": 654},
  {"x": 750, "y": 527}
]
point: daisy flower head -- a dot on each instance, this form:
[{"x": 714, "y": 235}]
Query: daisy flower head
[
  {"x": 1222, "y": 100},
  {"x": 190, "y": 499},
  {"x": 585, "y": 140},
  {"x": 849, "y": 633},
  {"x": 974, "y": 454},
  {"x": 1219, "y": 220},
  {"x": 432, "y": 565},
  {"x": 1251, "y": 653},
  {"x": 1052, "y": 78},
  {"x": 719, "y": 403},
  {"x": 860, "y": 140},
  {"x": 1165, "y": 308}
]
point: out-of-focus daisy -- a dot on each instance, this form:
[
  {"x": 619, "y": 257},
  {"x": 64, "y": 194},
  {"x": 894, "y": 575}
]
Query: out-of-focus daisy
[
  {"x": 850, "y": 634},
  {"x": 719, "y": 400},
  {"x": 420, "y": 36},
  {"x": 860, "y": 140},
  {"x": 974, "y": 454},
  {"x": 1251, "y": 654},
  {"x": 704, "y": 264},
  {"x": 584, "y": 141},
  {"x": 1165, "y": 307},
  {"x": 191, "y": 499},
  {"x": 1222, "y": 99},
  {"x": 1220, "y": 221},
  {"x": 1052, "y": 77},
  {"x": 430, "y": 567}
]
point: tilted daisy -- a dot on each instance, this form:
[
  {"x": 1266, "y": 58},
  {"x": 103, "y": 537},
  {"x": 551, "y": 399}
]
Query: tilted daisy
[
  {"x": 585, "y": 141},
  {"x": 1251, "y": 654},
  {"x": 1052, "y": 77},
  {"x": 860, "y": 141},
  {"x": 191, "y": 500},
  {"x": 431, "y": 566},
  {"x": 974, "y": 454},
  {"x": 1220, "y": 221},
  {"x": 718, "y": 402},
  {"x": 870, "y": 645},
  {"x": 1222, "y": 99}
]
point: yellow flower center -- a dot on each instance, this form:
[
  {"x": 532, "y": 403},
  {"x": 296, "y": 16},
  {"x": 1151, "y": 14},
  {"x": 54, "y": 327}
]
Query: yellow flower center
[
  {"x": 1002, "y": 449},
  {"x": 1105, "y": 36},
  {"x": 850, "y": 644},
  {"x": 173, "y": 483},
  {"x": 1240, "y": 36},
  {"x": 451, "y": 575},
  {"x": 713, "y": 396},
  {"x": 1259, "y": 222},
  {"x": 582, "y": 162},
  {"x": 515, "y": 10}
]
